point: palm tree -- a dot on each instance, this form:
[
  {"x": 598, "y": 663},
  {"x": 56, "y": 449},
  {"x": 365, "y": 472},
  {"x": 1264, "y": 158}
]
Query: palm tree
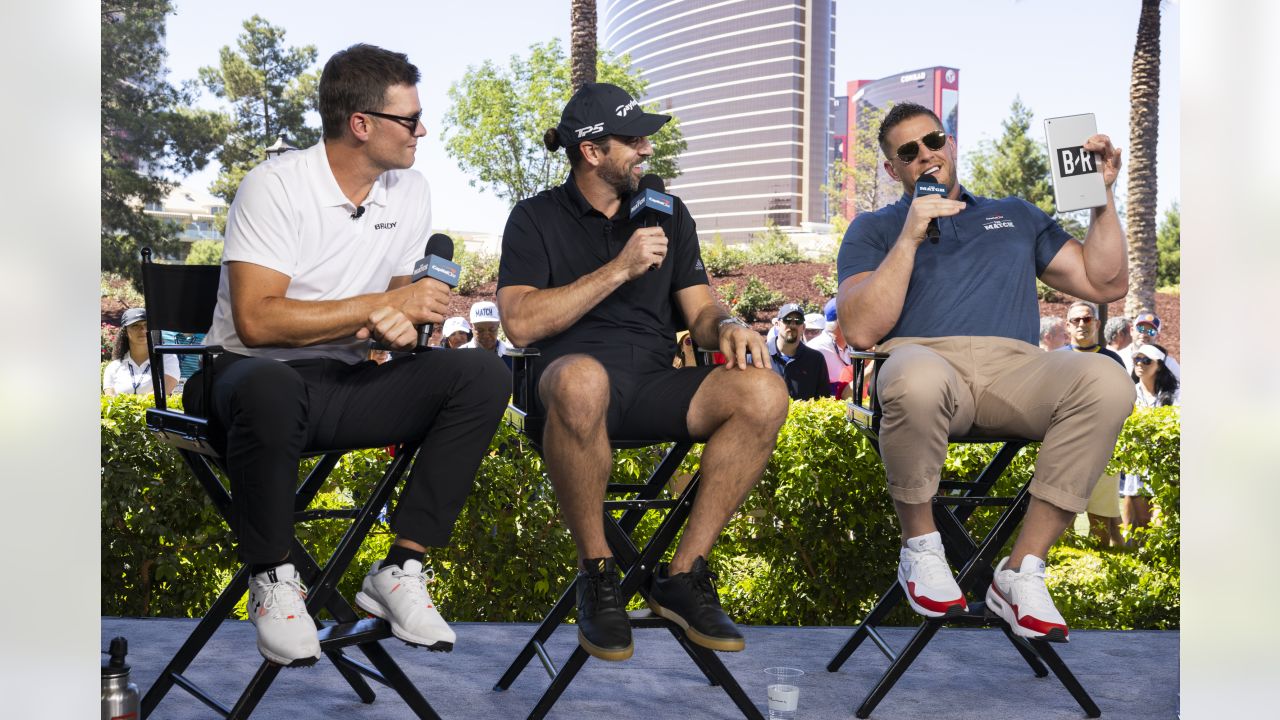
[
  {"x": 582, "y": 43},
  {"x": 1144, "y": 126}
]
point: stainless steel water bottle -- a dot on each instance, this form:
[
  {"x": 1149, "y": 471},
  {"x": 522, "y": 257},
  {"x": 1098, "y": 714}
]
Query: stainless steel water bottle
[{"x": 119, "y": 696}]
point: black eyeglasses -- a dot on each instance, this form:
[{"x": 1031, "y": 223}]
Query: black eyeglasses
[
  {"x": 908, "y": 152},
  {"x": 1080, "y": 320},
  {"x": 1142, "y": 360},
  {"x": 409, "y": 122}
]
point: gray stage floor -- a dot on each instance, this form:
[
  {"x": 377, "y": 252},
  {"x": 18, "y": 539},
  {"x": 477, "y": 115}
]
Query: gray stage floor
[{"x": 963, "y": 673}]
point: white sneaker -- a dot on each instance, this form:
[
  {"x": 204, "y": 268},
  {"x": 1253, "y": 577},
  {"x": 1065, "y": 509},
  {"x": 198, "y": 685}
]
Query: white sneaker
[
  {"x": 926, "y": 577},
  {"x": 399, "y": 596},
  {"x": 277, "y": 608},
  {"x": 1021, "y": 599}
]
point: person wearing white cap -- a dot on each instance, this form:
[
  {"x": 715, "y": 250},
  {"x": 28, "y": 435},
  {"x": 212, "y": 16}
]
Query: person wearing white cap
[
  {"x": 456, "y": 333},
  {"x": 485, "y": 322},
  {"x": 129, "y": 372},
  {"x": 814, "y": 325},
  {"x": 1156, "y": 386},
  {"x": 1146, "y": 326}
]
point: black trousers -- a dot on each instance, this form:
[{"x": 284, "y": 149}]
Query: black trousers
[{"x": 447, "y": 401}]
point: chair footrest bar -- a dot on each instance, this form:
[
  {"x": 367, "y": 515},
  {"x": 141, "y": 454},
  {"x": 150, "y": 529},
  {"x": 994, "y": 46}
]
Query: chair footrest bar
[
  {"x": 547, "y": 663},
  {"x": 361, "y": 668},
  {"x": 344, "y": 513},
  {"x": 625, "y": 487},
  {"x": 880, "y": 643},
  {"x": 356, "y": 633},
  {"x": 973, "y": 501},
  {"x": 201, "y": 695},
  {"x": 639, "y": 504}
]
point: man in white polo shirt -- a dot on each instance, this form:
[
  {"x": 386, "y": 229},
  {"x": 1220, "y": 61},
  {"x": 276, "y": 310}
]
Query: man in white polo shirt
[{"x": 320, "y": 246}]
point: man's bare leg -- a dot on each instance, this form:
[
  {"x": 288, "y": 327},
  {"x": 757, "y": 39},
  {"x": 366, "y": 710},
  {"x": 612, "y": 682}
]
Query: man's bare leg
[
  {"x": 740, "y": 412},
  {"x": 575, "y": 445}
]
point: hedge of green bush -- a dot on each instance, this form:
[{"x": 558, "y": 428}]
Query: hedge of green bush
[{"x": 815, "y": 544}]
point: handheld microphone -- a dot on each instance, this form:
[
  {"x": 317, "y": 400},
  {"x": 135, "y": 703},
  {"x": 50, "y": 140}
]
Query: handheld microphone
[
  {"x": 359, "y": 211},
  {"x": 438, "y": 266},
  {"x": 651, "y": 204},
  {"x": 929, "y": 185}
]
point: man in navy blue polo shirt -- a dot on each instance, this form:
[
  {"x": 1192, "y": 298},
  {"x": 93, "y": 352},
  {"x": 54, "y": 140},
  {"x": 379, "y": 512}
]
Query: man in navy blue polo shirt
[
  {"x": 602, "y": 297},
  {"x": 959, "y": 320}
]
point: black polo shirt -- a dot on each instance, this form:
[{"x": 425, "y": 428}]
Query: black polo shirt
[
  {"x": 556, "y": 237},
  {"x": 805, "y": 373}
]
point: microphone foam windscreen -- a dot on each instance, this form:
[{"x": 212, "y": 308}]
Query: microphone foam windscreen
[
  {"x": 652, "y": 182},
  {"x": 440, "y": 245}
]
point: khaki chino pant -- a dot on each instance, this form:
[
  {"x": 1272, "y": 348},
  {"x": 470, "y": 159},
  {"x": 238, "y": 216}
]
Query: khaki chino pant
[{"x": 933, "y": 389}]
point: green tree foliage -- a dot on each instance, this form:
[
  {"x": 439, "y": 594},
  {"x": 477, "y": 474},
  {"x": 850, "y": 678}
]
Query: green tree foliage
[
  {"x": 270, "y": 88},
  {"x": 1015, "y": 165},
  {"x": 493, "y": 128},
  {"x": 862, "y": 183},
  {"x": 150, "y": 133},
  {"x": 1169, "y": 248},
  {"x": 205, "y": 252}
]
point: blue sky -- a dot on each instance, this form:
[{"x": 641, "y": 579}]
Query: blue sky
[{"x": 1062, "y": 58}]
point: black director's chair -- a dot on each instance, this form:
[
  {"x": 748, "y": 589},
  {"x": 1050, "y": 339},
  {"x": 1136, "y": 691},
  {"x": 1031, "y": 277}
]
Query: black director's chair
[
  {"x": 182, "y": 298},
  {"x": 952, "y": 507},
  {"x": 634, "y": 501}
]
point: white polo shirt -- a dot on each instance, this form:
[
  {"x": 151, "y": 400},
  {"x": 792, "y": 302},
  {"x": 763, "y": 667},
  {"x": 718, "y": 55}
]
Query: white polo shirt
[
  {"x": 289, "y": 215},
  {"x": 127, "y": 377}
]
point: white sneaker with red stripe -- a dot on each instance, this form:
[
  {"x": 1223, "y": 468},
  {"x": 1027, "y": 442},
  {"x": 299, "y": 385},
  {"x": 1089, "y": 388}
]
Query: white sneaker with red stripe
[
  {"x": 926, "y": 577},
  {"x": 399, "y": 596},
  {"x": 1021, "y": 599},
  {"x": 277, "y": 608}
]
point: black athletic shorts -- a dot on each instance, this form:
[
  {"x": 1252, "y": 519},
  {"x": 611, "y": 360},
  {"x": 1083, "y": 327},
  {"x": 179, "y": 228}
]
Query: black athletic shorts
[{"x": 648, "y": 398}]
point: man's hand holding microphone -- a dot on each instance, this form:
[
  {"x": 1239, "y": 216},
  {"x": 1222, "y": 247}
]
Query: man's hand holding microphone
[{"x": 405, "y": 322}]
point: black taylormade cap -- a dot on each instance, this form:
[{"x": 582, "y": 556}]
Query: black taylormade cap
[{"x": 600, "y": 109}]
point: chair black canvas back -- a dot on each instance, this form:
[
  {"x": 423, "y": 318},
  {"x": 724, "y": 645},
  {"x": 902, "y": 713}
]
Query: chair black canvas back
[{"x": 180, "y": 298}]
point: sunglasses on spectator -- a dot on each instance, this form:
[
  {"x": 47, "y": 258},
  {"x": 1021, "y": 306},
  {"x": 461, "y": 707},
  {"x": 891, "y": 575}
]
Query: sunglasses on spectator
[
  {"x": 1147, "y": 330},
  {"x": 793, "y": 322},
  {"x": 409, "y": 122},
  {"x": 1080, "y": 320},
  {"x": 1142, "y": 360},
  {"x": 908, "y": 152}
]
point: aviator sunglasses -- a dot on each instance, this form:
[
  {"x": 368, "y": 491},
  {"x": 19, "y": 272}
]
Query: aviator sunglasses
[{"x": 907, "y": 152}]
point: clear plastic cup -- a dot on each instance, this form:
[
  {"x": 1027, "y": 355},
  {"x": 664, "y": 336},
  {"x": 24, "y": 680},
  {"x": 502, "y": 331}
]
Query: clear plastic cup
[{"x": 784, "y": 691}]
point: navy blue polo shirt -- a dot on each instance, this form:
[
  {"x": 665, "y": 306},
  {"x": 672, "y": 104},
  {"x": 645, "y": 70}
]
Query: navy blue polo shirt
[
  {"x": 978, "y": 280},
  {"x": 556, "y": 237}
]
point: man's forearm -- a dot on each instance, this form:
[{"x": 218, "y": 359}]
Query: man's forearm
[
  {"x": 537, "y": 314},
  {"x": 705, "y": 329},
  {"x": 1106, "y": 264},
  {"x": 285, "y": 322},
  {"x": 873, "y": 305}
]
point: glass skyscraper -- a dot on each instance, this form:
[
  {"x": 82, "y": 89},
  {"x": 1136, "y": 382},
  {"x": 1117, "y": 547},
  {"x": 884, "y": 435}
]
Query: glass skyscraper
[{"x": 751, "y": 82}]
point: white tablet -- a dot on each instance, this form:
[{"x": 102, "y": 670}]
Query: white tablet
[{"x": 1077, "y": 174}]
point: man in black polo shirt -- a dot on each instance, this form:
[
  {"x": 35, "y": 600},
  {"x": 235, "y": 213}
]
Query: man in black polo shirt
[
  {"x": 804, "y": 368},
  {"x": 602, "y": 298}
]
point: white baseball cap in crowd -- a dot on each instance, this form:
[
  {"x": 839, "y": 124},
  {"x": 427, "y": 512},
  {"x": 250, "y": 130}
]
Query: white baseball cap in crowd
[
  {"x": 484, "y": 311},
  {"x": 453, "y": 325},
  {"x": 815, "y": 321}
]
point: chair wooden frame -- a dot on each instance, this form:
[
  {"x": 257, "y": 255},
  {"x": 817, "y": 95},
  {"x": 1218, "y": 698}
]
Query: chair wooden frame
[
  {"x": 952, "y": 507},
  {"x": 182, "y": 298},
  {"x": 634, "y": 501}
]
